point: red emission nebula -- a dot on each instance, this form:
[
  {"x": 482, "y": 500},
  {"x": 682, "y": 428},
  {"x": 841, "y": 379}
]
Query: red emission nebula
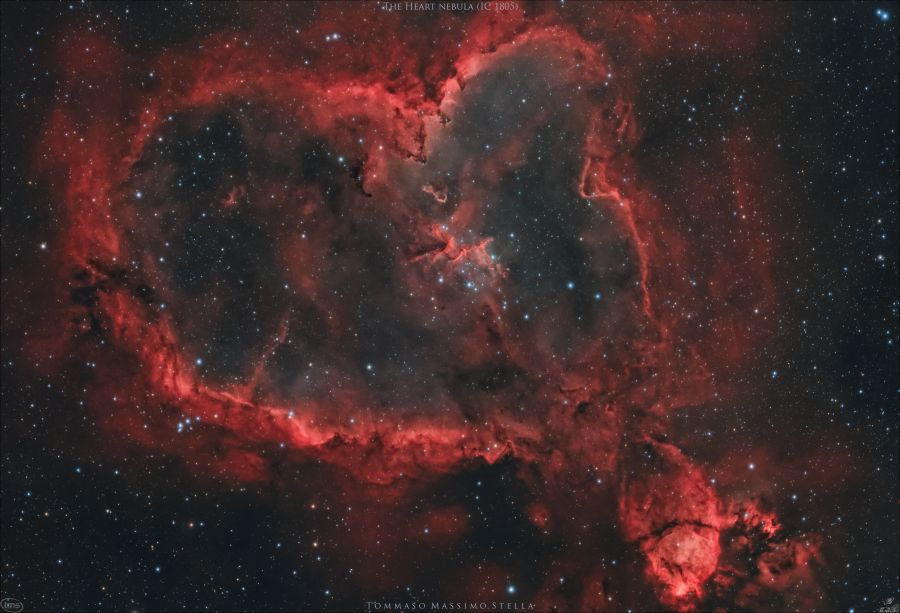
[{"x": 387, "y": 249}]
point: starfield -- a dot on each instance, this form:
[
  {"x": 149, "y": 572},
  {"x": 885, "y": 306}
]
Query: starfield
[{"x": 522, "y": 306}]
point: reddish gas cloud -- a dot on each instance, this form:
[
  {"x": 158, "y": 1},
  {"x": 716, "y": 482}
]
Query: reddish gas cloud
[{"x": 376, "y": 212}]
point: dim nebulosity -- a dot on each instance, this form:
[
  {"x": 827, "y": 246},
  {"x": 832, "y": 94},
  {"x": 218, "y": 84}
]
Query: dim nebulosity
[{"x": 326, "y": 304}]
